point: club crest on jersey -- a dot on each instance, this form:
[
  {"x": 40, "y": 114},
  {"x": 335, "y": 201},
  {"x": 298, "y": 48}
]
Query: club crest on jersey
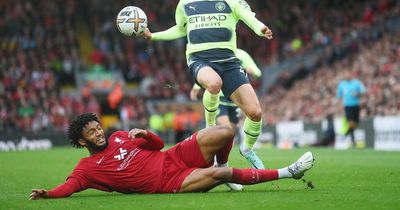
[
  {"x": 220, "y": 6},
  {"x": 118, "y": 140},
  {"x": 122, "y": 153}
]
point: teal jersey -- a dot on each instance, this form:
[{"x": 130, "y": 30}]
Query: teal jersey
[
  {"x": 348, "y": 91},
  {"x": 209, "y": 24}
]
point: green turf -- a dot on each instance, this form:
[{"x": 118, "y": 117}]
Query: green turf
[{"x": 353, "y": 179}]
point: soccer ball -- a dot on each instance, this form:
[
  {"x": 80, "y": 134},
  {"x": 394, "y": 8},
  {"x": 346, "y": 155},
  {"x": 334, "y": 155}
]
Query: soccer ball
[{"x": 131, "y": 21}]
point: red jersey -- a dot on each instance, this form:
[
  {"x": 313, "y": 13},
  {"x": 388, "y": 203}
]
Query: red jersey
[
  {"x": 126, "y": 165},
  {"x": 134, "y": 165}
]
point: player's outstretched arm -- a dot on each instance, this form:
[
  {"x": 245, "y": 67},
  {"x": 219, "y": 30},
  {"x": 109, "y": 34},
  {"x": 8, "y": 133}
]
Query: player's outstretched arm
[
  {"x": 71, "y": 186},
  {"x": 37, "y": 194},
  {"x": 177, "y": 31},
  {"x": 172, "y": 33},
  {"x": 244, "y": 13},
  {"x": 267, "y": 32}
]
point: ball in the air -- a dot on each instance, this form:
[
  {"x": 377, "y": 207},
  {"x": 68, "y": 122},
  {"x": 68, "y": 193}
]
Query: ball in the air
[{"x": 131, "y": 21}]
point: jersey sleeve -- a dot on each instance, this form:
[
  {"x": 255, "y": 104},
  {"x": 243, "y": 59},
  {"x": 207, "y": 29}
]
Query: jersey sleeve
[
  {"x": 175, "y": 32},
  {"x": 74, "y": 183},
  {"x": 243, "y": 12},
  {"x": 150, "y": 142},
  {"x": 248, "y": 62},
  {"x": 71, "y": 186}
]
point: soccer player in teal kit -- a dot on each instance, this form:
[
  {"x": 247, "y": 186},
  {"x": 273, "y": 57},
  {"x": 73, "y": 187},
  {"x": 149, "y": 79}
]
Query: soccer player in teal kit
[
  {"x": 229, "y": 114},
  {"x": 210, "y": 29}
]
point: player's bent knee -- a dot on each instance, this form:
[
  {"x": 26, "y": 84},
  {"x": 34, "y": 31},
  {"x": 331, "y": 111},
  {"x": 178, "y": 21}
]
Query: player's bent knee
[
  {"x": 226, "y": 132},
  {"x": 254, "y": 114},
  {"x": 214, "y": 86}
]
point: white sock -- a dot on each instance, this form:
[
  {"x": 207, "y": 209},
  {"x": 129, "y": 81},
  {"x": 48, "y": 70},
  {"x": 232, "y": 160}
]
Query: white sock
[
  {"x": 284, "y": 173},
  {"x": 222, "y": 164}
]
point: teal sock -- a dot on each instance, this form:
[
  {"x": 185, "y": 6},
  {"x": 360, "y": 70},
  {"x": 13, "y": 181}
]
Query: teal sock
[
  {"x": 252, "y": 130},
  {"x": 210, "y": 103}
]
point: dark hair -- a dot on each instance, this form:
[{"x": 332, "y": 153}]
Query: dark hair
[{"x": 76, "y": 126}]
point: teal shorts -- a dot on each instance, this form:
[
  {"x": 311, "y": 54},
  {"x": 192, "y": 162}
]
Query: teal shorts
[{"x": 231, "y": 72}]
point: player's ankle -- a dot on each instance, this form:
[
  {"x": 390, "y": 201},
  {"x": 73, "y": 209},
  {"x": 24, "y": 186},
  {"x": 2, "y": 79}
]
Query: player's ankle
[{"x": 222, "y": 165}]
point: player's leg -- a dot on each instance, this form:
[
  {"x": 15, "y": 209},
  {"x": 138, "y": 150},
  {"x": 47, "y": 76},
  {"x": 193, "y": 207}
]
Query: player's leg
[
  {"x": 211, "y": 82},
  {"x": 352, "y": 116},
  {"x": 211, "y": 140},
  {"x": 199, "y": 149},
  {"x": 223, "y": 119},
  {"x": 222, "y": 156},
  {"x": 201, "y": 180},
  {"x": 246, "y": 98}
]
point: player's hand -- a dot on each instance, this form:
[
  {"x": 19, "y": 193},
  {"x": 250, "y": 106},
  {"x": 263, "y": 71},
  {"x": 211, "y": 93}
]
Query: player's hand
[
  {"x": 267, "y": 32},
  {"x": 137, "y": 133},
  {"x": 147, "y": 34},
  {"x": 194, "y": 93},
  {"x": 37, "y": 194}
]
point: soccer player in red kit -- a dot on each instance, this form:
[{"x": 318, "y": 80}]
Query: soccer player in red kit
[{"x": 131, "y": 162}]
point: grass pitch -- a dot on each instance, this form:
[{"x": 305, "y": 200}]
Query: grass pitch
[{"x": 352, "y": 179}]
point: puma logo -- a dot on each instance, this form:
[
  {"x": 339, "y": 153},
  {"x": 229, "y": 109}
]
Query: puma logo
[{"x": 193, "y": 7}]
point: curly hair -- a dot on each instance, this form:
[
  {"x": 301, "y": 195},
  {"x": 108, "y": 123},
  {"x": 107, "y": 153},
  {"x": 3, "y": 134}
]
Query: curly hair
[{"x": 76, "y": 126}]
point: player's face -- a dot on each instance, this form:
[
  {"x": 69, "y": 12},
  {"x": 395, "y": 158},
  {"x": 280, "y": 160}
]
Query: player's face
[{"x": 94, "y": 136}]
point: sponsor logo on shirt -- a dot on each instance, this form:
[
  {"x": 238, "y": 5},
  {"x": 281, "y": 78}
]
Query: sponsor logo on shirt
[{"x": 128, "y": 159}]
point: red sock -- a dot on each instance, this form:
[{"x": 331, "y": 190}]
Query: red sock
[
  {"x": 253, "y": 176},
  {"x": 223, "y": 154}
]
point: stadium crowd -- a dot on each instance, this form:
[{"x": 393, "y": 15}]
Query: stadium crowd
[
  {"x": 41, "y": 51},
  {"x": 314, "y": 97}
]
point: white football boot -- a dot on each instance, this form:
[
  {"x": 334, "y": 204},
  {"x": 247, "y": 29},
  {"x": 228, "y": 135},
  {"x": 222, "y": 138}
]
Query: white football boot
[
  {"x": 304, "y": 163},
  {"x": 235, "y": 187}
]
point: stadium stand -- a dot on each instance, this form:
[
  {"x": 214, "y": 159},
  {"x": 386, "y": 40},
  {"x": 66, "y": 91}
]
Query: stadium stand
[{"x": 44, "y": 45}]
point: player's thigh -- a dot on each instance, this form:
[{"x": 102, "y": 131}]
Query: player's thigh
[
  {"x": 205, "y": 179},
  {"x": 205, "y": 74},
  {"x": 213, "y": 139},
  {"x": 246, "y": 98},
  {"x": 233, "y": 77},
  {"x": 209, "y": 78}
]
